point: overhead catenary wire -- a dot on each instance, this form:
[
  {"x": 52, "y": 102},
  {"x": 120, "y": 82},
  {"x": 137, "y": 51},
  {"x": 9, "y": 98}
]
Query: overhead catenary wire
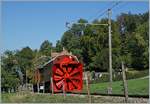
[
  {"x": 97, "y": 13},
  {"x": 106, "y": 10}
]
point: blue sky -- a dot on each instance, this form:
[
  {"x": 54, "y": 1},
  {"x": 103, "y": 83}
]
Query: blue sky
[{"x": 30, "y": 23}]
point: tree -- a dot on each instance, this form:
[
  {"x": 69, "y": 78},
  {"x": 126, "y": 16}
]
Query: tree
[
  {"x": 24, "y": 59},
  {"x": 138, "y": 48},
  {"x": 134, "y": 39},
  {"x": 8, "y": 72},
  {"x": 45, "y": 48},
  {"x": 59, "y": 46}
]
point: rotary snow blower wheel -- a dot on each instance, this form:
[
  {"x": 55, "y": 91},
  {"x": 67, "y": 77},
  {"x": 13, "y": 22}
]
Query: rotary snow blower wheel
[{"x": 67, "y": 74}]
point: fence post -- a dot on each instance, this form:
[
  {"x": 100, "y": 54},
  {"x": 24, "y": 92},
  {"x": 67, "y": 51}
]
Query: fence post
[
  {"x": 43, "y": 87},
  {"x": 125, "y": 83},
  {"x": 52, "y": 86},
  {"x": 64, "y": 93},
  {"x": 38, "y": 87},
  {"x": 88, "y": 86}
]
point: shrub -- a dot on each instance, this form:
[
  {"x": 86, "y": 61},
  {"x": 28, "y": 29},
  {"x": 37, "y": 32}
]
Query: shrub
[{"x": 136, "y": 74}]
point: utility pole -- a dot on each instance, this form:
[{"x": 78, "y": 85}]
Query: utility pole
[{"x": 110, "y": 52}]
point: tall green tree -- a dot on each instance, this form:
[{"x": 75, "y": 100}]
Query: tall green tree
[
  {"x": 24, "y": 59},
  {"x": 59, "y": 46},
  {"x": 9, "y": 78},
  {"x": 45, "y": 48}
]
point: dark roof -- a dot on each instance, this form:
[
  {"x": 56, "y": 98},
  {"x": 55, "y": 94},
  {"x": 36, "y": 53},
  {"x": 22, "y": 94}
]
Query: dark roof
[{"x": 46, "y": 63}]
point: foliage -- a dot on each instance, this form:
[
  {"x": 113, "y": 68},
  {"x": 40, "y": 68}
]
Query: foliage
[
  {"x": 45, "y": 48},
  {"x": 58, "y": 47},
  {"x": 9, "y": 77},
  {"x": 137, "y": 74}
]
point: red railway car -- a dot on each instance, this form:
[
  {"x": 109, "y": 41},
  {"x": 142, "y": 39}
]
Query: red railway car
[{"x": 66, "y": 73}]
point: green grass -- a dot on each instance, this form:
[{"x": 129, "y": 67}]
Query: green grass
[
  {"x": 41, "y": 98},
  {"x": 135, "y": 87}
]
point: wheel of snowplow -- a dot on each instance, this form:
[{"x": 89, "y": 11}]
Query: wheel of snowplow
[{"x": 68, "y": 76}]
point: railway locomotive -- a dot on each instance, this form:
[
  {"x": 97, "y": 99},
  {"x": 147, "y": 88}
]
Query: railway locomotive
[{"x": 62, "y": 73}]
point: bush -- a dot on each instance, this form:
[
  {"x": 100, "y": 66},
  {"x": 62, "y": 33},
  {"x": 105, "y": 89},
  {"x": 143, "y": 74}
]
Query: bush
[{"x": 136, "y": 74}]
